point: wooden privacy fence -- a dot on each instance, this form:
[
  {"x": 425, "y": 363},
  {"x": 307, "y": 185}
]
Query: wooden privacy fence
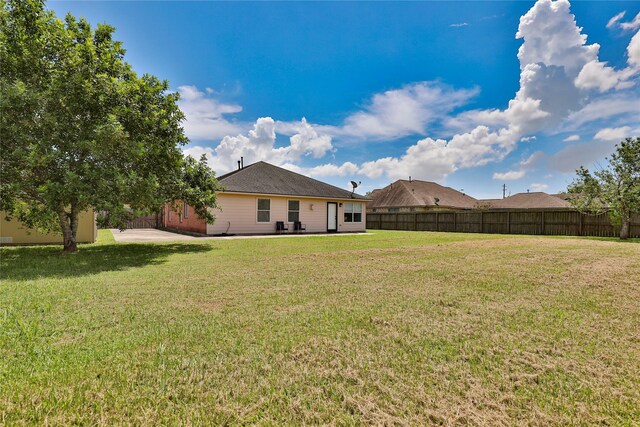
[
  {"x": 148, "y": 221},
  {"x": 560, "y": 222}
]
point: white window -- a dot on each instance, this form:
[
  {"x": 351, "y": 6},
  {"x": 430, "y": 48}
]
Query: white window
[
  {"x": 294, "y": 211},
  {"x": 352, "y": 212},
  {"x": 264, "y": 210}
]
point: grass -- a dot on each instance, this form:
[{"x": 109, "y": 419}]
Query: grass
[{"x": 391, "y": 328}]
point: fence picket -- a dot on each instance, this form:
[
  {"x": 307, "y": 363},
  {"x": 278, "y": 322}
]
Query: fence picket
[{"x": 565, "y": 222}]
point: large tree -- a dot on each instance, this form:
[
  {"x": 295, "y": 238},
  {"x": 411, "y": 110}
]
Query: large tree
[
  {"x": 80, "y": 129},
  {"x": 614, "y": 189}
]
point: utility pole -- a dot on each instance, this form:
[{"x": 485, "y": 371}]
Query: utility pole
[{"x": 504, "y": 190}]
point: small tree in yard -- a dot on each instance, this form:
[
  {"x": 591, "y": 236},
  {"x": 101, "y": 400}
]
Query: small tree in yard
[
  {"x": 615, "y": 189},
  {"x": 80, "y": 129}
]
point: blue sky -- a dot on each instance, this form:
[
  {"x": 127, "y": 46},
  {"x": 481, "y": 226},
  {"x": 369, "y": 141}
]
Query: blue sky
[{"x": 472, "y": 95}]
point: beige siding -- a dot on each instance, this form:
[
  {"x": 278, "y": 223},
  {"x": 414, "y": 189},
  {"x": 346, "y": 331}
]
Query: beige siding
[
  {"x": 13, "y": 232},
  {"x": 238, "y": 215}
]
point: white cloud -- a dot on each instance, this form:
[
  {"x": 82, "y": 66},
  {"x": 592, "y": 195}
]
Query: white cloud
[
  {"x": 568, "y": 159},
  {"x": 527, "y": 138},
  {"x": 538, "y": 187},
  {"x": 461, "y": 24},
  {"x": 532, "y": 160},
  {"x": 613, "y": 134},
  {"x": 553, "y": 54},
  {"x": 330, "y": 169},
  {"x": 401, "y": 112},
  {"x": 197, "y": 151},
  {"x": 604, "y": 108},
  {"x": 597, "y": 75},
  {"x": 205, "y": 115},
  {"x": 307, "y": 141},
  {"x": 572, "y": 138},
  {"x": 434, "y": 159},
  {"x": 509, "y": 176},
  {"x": 552, "y": 37},
  {"x": 613, "y": 22},
  {"x": 259, "y": 145},
  {"x": 631, "y": 25},
  {"x": 633, "y": 51}
]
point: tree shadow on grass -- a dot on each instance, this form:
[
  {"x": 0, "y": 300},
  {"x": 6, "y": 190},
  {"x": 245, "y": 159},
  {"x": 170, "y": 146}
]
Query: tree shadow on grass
[{"x": 43, "y": 262}]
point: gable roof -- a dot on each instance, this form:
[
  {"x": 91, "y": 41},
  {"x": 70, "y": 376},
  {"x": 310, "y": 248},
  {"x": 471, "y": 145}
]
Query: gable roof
[
  {"x": 416, "y": 193},
  {"x": 533, "y": 200},
  {"x": 265, "y": 178}
]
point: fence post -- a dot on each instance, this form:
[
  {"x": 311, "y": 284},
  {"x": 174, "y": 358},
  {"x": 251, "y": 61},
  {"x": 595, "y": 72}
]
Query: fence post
[
  {"x": 396, "y": 228},
  {"x": 580, "y": 224},
  {"x": 415, "y": 221},
  {"x": 482, "y": 222},
  {"x": 437, "y": 222},
  {"x": 455, "y": 221},
  {"x": 542, "y": 221},
  {"x": 509, "y": 222}
]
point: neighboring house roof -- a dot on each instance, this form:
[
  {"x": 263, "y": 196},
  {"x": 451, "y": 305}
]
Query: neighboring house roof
[
  {"x": 564, "y": 196},
  {"x": 415, "y": 193},
  {"x": 265, "y": 178},
  {"x": 535, "y": 200}
]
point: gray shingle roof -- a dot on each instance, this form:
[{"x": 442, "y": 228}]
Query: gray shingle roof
[
  {"x": 418, "y": 193},
  {"x": 539, "y": 200},
  {"x": 265, "y": 178}
]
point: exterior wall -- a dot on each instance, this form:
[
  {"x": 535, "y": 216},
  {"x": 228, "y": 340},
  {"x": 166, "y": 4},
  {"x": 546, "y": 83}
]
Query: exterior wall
[
  {"x": 179, "y": 221},
  {"x": 238, "y": 215},
  {"x": 12, "y": 232}
]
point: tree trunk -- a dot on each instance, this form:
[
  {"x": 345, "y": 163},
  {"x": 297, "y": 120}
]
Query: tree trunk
[
  {"x": 69, "y": 226},
  {"x": 624, "y": 229}
]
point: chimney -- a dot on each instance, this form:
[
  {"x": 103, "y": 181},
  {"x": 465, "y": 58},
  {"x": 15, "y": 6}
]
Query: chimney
[
  {"x": 241, "y": 162},
  {"x": 238, "y": 164}
]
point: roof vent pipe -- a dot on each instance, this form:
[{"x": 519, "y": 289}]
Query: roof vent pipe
[
  {"x": 238, "y": 164},
  {"x": 409, "y": 178},
  {"x": 241, "y": 162}
]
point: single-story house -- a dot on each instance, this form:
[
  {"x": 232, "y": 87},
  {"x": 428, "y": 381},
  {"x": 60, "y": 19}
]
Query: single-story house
[
  {"x": 532, "y": 200},
  {"x": 417, "y": 196},
  {"x": 265, "y": 199},
  {"x": 13, "y": 232}
]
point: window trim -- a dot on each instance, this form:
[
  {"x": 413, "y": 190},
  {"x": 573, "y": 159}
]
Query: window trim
[
  {"x": 258, "y": 210},
  {"x": 352, "y": 211},
  {"x": 289, "y": 210}
]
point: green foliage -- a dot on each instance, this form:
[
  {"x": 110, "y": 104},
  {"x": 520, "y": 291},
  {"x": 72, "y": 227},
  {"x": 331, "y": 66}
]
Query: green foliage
[
  {"x": 198, "y": 181},
  {"x": 615, "y": 189},
  {"x": 80, "y": 129}
]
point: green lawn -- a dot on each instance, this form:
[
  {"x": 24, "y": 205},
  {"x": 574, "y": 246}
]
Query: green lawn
[{"x": 389, "y": 328}]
